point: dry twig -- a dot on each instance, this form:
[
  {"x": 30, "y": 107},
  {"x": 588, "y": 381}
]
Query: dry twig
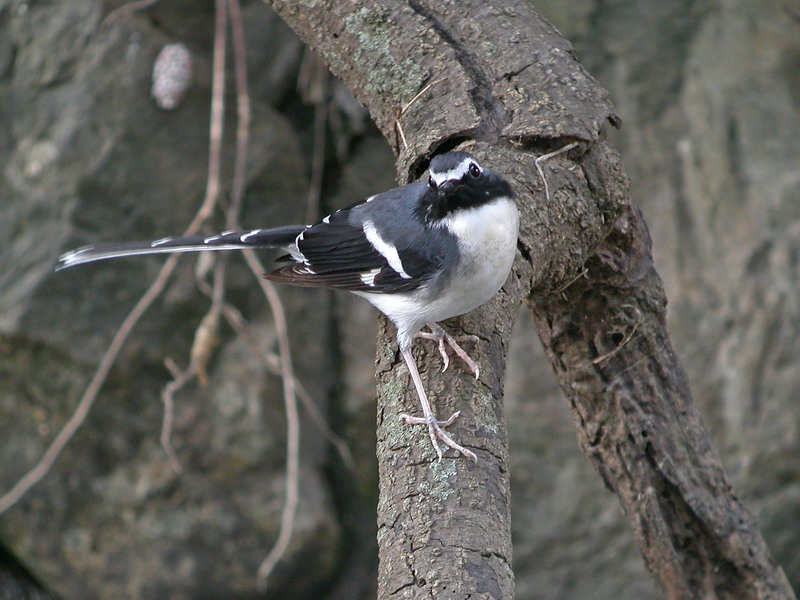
[
  {"x": 206, "y": 334},
  {"x": 538, "y": 162},
  {"x": 126, "y": 10},
  {"x": 40, "y": 470},
  {"x": 408, "y": 105},
  {"x": 278, "y": 314},
  {"x": 37, "y": 473},
  {"x": 627, "y": 339},
  {"x": 293, "y": 423},
  {"x": 313, "y": 81}
]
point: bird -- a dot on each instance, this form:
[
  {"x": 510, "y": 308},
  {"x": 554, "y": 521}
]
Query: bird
[{"x": 420, "y": 253}]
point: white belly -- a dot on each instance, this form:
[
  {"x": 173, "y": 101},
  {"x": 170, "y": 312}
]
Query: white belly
[{"x": 487, "y": 244}]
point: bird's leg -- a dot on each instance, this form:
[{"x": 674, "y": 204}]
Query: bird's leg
[
  {"x": 434, "y": 427},
  {"x": 438, "y": 334}
]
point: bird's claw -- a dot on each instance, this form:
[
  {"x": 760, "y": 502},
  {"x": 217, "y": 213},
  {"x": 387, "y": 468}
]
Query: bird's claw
[
  {"x": 440, "y": 336},
  {"x": 437, "y": 434}
]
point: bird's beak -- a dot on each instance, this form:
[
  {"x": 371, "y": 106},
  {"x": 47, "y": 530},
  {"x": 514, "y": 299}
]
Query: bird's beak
[{"x": 446, "y": 186}]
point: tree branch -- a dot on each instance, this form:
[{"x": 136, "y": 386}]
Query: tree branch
[
  {"x": 510, "y": 87},
  {"x": 607, "y": 340}
]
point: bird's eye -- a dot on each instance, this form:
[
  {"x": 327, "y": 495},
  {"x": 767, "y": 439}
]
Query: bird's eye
[
  {"x": 431, "y": 183},
  {"x": 474, "y": 170}
]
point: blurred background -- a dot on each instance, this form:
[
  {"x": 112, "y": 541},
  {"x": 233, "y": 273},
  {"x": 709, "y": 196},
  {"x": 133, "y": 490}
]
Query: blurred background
[{"x": 709, "y": 95}]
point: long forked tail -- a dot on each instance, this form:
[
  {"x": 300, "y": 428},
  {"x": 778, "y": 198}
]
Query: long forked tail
[{"x": 279, "y": 237}]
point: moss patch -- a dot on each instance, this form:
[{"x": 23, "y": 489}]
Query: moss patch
[{"x": 400, "y": 80}]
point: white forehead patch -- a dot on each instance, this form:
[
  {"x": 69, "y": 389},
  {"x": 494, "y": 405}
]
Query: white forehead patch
[{"x": 455, "y": 173}]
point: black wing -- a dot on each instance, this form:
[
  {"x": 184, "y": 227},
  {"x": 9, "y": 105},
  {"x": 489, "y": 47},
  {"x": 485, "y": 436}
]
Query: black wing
[{"x": 376, "y": 246}]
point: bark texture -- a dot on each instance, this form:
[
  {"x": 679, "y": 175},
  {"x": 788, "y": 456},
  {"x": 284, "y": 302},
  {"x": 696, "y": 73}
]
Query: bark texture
[
  {"x": 508, "y": 85},
  {"x": 512, "y": 89},
  {"x": 606, "y": 338}
]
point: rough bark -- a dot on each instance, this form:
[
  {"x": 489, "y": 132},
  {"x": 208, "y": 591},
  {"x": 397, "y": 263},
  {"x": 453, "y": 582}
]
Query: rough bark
[
  {"x": 503, "y": 81},
  {"x": 605, "y": 335}
]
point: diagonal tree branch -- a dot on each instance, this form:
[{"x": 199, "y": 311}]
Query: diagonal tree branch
[{"x": 510, "y": 87}]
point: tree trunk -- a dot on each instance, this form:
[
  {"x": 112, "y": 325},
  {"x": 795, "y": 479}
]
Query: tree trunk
[{"x": 495, "y": 76}]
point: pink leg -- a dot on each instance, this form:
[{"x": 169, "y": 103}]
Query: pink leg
[{"x": 434, "y": 427}]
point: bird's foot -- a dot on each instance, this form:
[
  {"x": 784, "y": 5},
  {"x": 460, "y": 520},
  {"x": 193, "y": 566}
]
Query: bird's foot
[
  {"x": 438, "y": 334},
  {"x": 437, "y": 433}
]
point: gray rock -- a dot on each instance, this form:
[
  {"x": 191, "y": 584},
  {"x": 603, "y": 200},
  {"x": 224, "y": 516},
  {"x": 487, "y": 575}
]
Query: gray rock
[{"x": 89, "y": 158}]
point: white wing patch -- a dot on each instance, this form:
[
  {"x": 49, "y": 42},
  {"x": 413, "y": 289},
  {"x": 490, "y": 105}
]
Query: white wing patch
[
  {"x": 158, "y": 243},
  {"x": 455, "y": 173},
  {"x": 294, "y": 250},
  {"x": 246, "y": 236},
  {"x": 385, "y": 249},
  {"x": 368, "y": 278}
]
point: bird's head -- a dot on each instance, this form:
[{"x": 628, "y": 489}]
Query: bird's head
[{"x": 456, "y": 181}]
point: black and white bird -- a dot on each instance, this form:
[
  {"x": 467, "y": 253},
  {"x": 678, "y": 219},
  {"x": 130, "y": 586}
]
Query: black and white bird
[{"x": 420, "y": 253}]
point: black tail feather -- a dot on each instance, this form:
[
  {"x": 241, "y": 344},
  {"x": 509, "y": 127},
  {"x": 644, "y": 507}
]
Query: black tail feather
[{"x": 279, "y": 237}]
